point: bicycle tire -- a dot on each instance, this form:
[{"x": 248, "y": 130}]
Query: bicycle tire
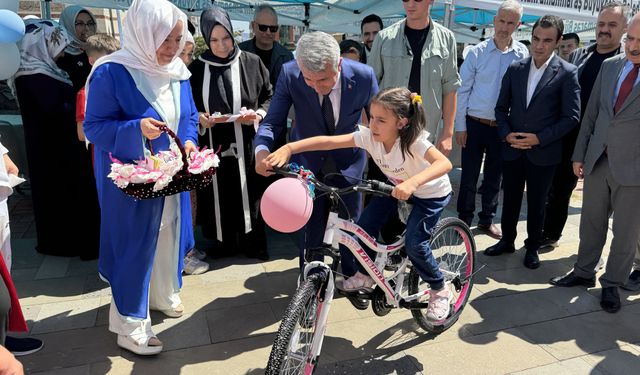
[
  {"x": 296, "y": 318},
  {"x": 439, "y": 247}
]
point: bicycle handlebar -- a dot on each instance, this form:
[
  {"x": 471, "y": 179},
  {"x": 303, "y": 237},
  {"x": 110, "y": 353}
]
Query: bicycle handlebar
[{"x": 368, "y": 186}]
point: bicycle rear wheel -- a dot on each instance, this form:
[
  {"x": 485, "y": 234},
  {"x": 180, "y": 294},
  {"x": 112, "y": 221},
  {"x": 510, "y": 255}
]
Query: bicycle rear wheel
[
  {"x": 453, "y": 247},
  {"x": 291, "y": 351}
]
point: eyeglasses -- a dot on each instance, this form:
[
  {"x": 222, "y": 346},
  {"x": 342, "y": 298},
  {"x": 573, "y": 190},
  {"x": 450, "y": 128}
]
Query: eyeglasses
[
  {"x": 89, "y": 24},
  {"x": 272, "y": 28}
]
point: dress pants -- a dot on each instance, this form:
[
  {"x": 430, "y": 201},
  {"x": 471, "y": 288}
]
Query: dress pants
[
  {"x": 604, "y": 196},
  {"x": 564, "y": 181},
  {"x": 516, "y": 174},
  {"x": 482, "y": 140},
  {"x": 312, "y": 234}
]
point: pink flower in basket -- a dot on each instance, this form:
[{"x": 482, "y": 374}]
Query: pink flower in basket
[{"x": 160, "y": 169}]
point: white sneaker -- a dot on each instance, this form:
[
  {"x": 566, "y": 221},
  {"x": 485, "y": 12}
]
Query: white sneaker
[
  {"x": 439, "y": 304},
  {"x": 193, "y": 266},
  {"x": 198, "y": 254},
  {"x": 359, "y": 281}
]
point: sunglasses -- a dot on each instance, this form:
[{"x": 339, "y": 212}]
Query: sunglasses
[
  {"x": 272, "y": 28},
  {"x": 417, "y": 1}
]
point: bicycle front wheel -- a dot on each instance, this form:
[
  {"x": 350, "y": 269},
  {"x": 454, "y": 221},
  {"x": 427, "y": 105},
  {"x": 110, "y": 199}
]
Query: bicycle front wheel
[
  {"x": 292, "y": 349},
  {"x": 453, "y": 248}
]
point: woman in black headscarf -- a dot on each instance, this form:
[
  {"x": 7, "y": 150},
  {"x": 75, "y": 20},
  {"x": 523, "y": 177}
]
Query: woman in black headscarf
[{"x": 225, "y": 79}]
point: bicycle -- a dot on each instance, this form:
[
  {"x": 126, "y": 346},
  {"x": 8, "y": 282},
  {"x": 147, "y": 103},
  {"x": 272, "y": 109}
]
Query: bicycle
[{"x": 297, "y": 346}]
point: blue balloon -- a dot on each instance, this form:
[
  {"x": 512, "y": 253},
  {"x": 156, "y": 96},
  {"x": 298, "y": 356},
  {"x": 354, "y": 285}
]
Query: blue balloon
[{"x": 11, "y": 27}]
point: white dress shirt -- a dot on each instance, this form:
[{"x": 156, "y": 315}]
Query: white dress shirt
[
  {"x": 481, "y": 75},
  {"x": 535, "y": 74},
  {"x": 335, "y": 95}
]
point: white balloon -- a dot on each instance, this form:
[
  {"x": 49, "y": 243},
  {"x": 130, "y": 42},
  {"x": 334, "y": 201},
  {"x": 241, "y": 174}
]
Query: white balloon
[
  {"x": 11, "y": 5},
  {"x": 9, "y": 60}
]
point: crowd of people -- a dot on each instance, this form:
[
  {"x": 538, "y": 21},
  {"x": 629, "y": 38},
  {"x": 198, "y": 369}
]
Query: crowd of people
[{"x": 389, "y": 107}]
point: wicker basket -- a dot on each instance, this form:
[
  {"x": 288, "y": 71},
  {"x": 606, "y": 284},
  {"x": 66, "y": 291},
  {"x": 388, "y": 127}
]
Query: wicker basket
[{"x": 182, "y": 181}]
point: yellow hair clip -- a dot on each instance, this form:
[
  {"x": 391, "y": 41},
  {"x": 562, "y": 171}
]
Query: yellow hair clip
[{"x": 416, "y": 99}]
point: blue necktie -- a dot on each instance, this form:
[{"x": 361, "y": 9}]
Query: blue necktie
[{"x": 327, "y": 114}]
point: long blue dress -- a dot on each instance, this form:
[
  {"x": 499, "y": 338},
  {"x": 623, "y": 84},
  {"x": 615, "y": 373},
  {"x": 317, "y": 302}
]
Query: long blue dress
[{"x": 129, "y": 228}]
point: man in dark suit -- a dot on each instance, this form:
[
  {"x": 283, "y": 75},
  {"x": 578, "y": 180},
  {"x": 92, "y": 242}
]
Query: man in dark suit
[
  {"x": 607, "y": 156},
  {"x": 539, "y": 102},
  {"x": 328, "y": 94}
]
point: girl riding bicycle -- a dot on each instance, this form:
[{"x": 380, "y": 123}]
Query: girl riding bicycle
[{"x": 397, "y": 141}]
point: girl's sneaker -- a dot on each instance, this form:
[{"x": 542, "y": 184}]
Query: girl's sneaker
[
  {"x": 439, "y": 304},
  {"x": 198, "y": 254},
  {"x": 359, "y": 281},
  {"x": 193, "y": 266}
]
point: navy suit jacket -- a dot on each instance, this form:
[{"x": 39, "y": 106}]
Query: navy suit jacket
[
  {"x": 553, "y": 111},
  {"x": 359, "y": 85}
]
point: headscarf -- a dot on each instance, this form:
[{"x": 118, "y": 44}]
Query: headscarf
[
  {"x": 188, "y": 38},
  {"x": 208, "y": 20},
  {"x": 68, "y": 21},
  {"x": 42, "y": 42},
  {"x": 147, "y": 25}
]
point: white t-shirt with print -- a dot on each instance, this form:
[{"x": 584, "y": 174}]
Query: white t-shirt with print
[{"x": 399, "y": 170}]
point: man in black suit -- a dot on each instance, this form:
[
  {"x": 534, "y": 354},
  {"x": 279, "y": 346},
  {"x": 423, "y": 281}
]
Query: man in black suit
[{"x": 539, "y": 102}]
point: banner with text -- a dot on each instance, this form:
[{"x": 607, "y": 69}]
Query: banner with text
[{"x": 578, "y": 10}]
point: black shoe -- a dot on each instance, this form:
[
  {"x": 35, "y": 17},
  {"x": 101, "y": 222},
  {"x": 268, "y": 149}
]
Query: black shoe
[
  {"x": 572, "y": 280},
  {"x": 358, "y": 303},
  {"x": 500, "y": 248},
  {"x": 548, "y": 243},
  {"x": 490, "y": 230},
  {"x": 610, "y": 301},
  {"x": 19, "y": 346},
  {"x": 633, "y": 284},
  {"x": 531, "y": 259}
]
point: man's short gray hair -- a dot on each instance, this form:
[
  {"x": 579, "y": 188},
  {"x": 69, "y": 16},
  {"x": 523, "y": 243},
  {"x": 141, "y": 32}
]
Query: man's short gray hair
[
  {"x": 265, "y": 8},
  {"x": 316, "y": 50},
  {"x": 511, "y": 5},
  {"x": 625, "y": 9}
]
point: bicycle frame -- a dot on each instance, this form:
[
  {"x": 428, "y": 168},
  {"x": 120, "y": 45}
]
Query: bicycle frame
[{"x": 338, "y": 231}]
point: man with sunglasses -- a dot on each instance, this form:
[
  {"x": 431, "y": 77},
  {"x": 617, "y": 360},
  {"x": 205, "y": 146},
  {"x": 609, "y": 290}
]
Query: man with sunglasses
[
  {"x": 421, "y": 55},
  {"x": 265, "y": 29},
  {"x": 273, "y": 55}
]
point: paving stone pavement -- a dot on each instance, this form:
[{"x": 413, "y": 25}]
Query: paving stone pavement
[{"x": 515, "y": 322}]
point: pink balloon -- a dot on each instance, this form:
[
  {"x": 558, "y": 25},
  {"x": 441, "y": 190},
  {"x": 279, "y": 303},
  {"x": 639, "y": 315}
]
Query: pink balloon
[{"x": 286, "y": 205}]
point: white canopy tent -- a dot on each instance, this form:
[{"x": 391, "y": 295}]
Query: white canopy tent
[{"x": 465, "y": 17}]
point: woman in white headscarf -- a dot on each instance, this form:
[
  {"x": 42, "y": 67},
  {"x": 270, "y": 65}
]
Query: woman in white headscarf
[
  {"x": 142, "y": 242},
  {"x": 55, "y": 157},
  {"x": 80, "y": 24}
]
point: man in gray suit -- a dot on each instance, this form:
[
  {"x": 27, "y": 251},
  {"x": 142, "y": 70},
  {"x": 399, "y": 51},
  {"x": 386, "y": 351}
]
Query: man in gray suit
[{"x": 606, "y": 155}]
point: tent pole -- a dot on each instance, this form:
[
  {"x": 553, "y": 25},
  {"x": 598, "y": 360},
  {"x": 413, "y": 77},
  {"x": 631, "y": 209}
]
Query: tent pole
[
  {"x": 45, "y": 9},
  {"x": 119, "y": 26},
  {"x": 448, "y": 13}
]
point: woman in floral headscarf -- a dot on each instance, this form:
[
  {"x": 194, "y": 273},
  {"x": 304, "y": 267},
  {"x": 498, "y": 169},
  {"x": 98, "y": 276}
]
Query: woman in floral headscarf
[
  {"x": 47, "y": 102},
  {"x": 142, "y": 242},
  {"x": 80, "y": 24}
]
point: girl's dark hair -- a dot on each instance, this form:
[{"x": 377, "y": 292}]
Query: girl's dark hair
[{"x": 400, "y": 101}]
